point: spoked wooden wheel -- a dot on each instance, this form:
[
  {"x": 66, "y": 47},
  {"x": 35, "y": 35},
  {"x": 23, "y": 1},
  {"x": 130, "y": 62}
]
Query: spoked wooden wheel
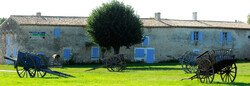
[
  {"x": 25, "y": 67},
  {"x": 189, "y": 65},
  {"x": 114, "y": 64},
  {"x": 205, "y": 71},
  {"x": 40, "y": 73},
  {"x": 228, "y": 73}
]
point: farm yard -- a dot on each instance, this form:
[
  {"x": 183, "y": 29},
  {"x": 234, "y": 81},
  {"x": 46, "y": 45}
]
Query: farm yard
[{"x": 136, "y": 74}]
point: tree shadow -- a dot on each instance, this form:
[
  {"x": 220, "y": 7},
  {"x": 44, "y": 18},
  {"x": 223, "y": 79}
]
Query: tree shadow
[
  {"x": 234, "y": 83},
  {"x": 154, "y": 68},
  {"x": 50, "y": 77}
]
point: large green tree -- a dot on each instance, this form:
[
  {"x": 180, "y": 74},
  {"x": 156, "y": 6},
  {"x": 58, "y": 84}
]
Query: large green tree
[
  {"x": 114, "y": 25},
  {"x": 2, "y": 20}
]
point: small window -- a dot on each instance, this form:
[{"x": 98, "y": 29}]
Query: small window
[
  {"x": 248, "y": 37},
  {"x": 196, "y": 36},
  {"x": 95, "y": 52},
  {"x": 146, "y": 41},
  {"x": 225, "y": 36},
  {"x": 57, "y": 32}
]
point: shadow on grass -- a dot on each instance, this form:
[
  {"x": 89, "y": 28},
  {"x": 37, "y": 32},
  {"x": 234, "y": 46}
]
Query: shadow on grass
[
  {"x": 50, "y": 77},
  {"x": 234, "y": 83},
  {"x": 154, "y": 68}
]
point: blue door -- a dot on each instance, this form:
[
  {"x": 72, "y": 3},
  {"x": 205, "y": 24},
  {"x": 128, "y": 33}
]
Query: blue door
[
  {"x": 8, "y": 55},
  {"x": 150, "y": 55},
  {"x": 15, "y": 52},
  {"x": 66, "y": 53}
]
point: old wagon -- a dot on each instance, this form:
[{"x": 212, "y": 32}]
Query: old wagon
[
  {"x": 216, "y": 62},
  {"x": 33, "y": 65},
  {"x": 114, "y": 63},
  {"x": 188, "y": 62}
]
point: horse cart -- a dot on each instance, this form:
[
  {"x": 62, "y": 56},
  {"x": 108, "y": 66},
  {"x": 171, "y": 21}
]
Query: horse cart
[
  {"x": 216, "y": 62},
  {"x": 33, "y": 65},
  {"x": 188, "y": 62},
  {"x": 114, "y": 63}
]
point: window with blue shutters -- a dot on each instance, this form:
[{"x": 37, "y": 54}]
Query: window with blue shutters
[
  {"x": 57, "y": 32},
  {"x": 146, "y": 41},
  {"x": 225, "y": 36},
  {"x": 196, "y": 36},
  {"x": 95, "y": 52}
]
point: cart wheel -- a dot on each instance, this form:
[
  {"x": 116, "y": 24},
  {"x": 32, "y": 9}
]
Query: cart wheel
[
  {"x": 228, "y": 73},
  {"x": 25, "y": 67},
  {"x": 205, "y": 71},
  {"x": 189, "y": 65},
  {"x": 40, "y": 73},
  {"x": 114, "y": 64}
]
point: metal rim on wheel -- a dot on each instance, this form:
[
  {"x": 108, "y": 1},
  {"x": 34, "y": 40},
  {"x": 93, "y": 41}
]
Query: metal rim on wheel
[
  {"x": 205, "y": 71},
  {"x": 228, "y": 74},
  {"x": 25, "y": 67},
  {"x": 189, "y": 65},
  {"x": 114, "y": 64},
  {"x": 40, "y": 73}
]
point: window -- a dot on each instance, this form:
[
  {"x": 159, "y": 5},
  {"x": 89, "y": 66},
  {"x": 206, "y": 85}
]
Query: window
[
  {"x": 57, "y": 32},
  {"x": 95, "y": 52},
  {"x": 196, "y": 36},
  {"x": 146, "y": 41},
  {"x": 225, "y": 36},
  {"x": 248, "y": 37}
]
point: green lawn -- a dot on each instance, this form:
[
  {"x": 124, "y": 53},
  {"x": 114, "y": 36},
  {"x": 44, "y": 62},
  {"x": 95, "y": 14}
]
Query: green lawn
[{"x": 161, "y": 74}]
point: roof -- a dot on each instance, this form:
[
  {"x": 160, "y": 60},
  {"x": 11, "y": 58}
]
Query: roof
[
  {"x": 50, "y": 20},
  {"x": 147, "y": 22}
]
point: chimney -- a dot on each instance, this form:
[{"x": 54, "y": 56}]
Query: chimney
[
  {"x": 158, "y": 16},
  {"x": 195, "y": 16},
  {"x": 38, "y": 14}
]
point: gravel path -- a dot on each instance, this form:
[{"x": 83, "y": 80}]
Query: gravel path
[{"x": 7, "y": 71}]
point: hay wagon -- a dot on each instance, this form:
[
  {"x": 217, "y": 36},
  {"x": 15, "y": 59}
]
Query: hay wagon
[
  {"x": 33, "y": 65},
  {"x": 216, "y": 62}
]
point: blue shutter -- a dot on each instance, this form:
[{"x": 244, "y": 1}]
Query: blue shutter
[
  {"x": 8, "y": 55},
  {"x": 200, "y": 36},
  {"x": 66, "y": 53},
  {"x": 41, "y": 53},
  {"x": 8, "y": 51},
  {"x": 150, "y": 55},
  {"x": 139, "y": 52},
  {"x": 229, "y": 36},
  {"x": 95, "y": 52},
  {"x": 221, "y": 36},
  {"x": 146, "y": 40},
  {"x": 8, "y": 40},
  {"x": 57, "y": 32},
  {"x": 192, "y": 36},
  {"x": 14, "y": 51}
]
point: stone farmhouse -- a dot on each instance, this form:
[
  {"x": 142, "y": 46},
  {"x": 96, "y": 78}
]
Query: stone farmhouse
[{"x": 165, "y": 39}]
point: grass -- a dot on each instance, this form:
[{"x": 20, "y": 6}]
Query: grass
[{"x": 137, "y": 74}]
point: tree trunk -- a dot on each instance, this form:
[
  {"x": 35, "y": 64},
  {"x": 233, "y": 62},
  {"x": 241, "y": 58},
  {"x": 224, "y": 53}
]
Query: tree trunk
[{"x": 116, "y": 49}]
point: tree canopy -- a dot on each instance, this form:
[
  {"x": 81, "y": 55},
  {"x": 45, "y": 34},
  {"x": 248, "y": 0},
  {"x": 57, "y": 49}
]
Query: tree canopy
[
  {"x": 114, "y": 25},
  {"x": 2, "y": 20}
]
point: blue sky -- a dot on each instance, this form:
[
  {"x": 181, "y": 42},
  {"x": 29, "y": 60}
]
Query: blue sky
[{"x": 217, "y": 10}]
